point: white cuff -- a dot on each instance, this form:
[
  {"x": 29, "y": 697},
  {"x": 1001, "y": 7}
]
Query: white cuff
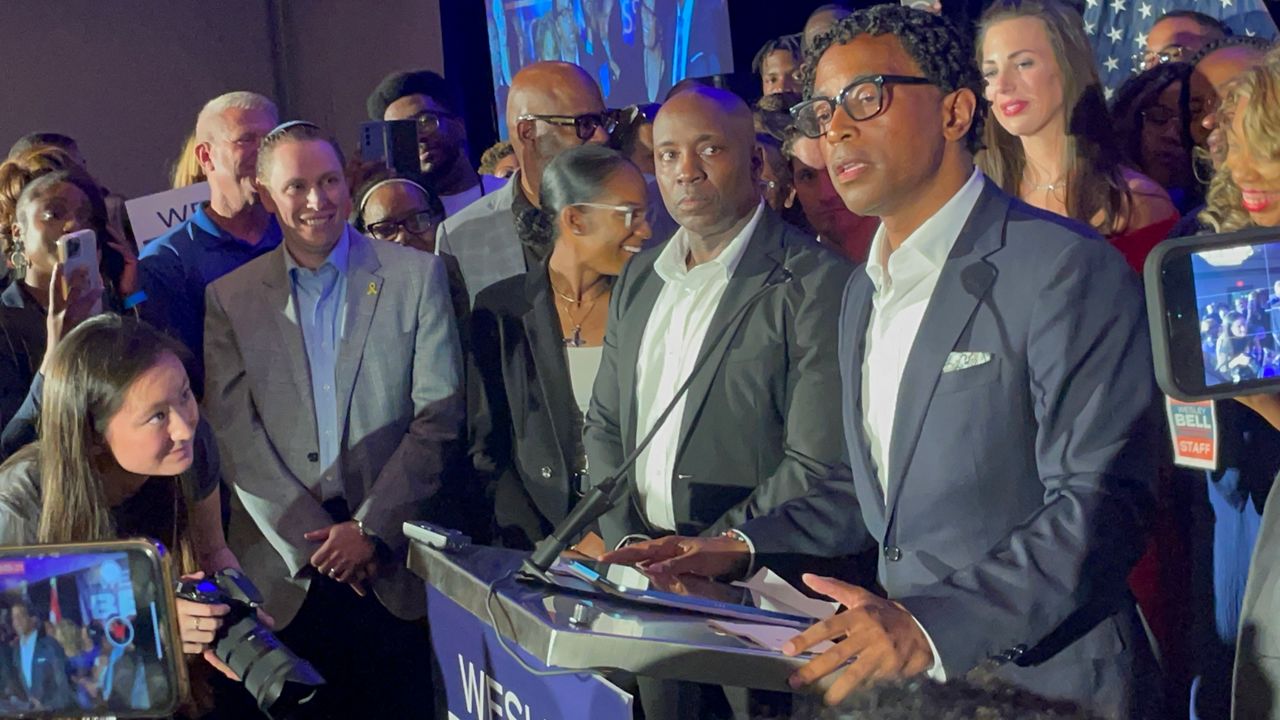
[{"x": 936, "y": 671}]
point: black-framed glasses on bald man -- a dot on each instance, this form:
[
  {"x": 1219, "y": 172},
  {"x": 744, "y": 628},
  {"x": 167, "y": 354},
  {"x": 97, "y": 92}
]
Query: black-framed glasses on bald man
[
  {"x": 584, "y": 125},
  {"x": 861, "y": 100}
]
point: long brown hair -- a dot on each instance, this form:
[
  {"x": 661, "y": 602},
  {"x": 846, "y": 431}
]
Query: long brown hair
[
  {"x": 1095, "y": 182},
  {"x": 85, "y": 383},
  {"x": 1260, "y": 121}
]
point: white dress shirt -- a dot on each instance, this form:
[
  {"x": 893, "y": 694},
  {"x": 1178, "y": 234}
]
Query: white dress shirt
[
  {"x": 669, "y": 349},
  {"x": 904, "y": 281}
]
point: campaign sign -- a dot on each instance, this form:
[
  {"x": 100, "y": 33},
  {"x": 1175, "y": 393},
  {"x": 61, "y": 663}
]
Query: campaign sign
[
  {"x": 154, "y": 215},
  {"x": 1193, "y": 426},
  {"x": 483, "y": 682}
]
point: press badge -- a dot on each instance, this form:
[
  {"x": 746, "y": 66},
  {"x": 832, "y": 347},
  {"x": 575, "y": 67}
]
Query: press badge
[{"x": 1193, "y": 427}]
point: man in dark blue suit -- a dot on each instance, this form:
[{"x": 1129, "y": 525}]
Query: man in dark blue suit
[
  {"x": 997, "y": 389},
  {"x": 38, "y": 663}
]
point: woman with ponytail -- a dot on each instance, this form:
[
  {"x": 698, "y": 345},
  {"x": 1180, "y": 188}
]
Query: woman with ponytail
[{"x": 536, "y": 342}]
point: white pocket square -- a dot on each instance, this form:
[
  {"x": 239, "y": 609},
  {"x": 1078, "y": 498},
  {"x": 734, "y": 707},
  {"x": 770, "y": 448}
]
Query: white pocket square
[{"x": 957, "y": 361}]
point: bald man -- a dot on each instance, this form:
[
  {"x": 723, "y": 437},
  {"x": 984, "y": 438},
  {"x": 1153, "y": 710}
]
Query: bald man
[
  {"x": 745, "y": 304},
  {"x": 551, "y": 107}
]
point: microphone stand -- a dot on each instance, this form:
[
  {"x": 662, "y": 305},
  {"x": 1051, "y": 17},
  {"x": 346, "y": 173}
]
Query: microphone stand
[{"x": 613, "y": 488}]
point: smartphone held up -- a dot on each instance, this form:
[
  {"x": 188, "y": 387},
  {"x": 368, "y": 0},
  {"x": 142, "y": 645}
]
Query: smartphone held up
[{"x": 1213, "y": 303}]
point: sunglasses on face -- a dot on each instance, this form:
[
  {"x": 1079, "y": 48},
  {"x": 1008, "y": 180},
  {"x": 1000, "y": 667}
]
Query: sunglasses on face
[
  {"x": 1147, "y": 60},
  {"x": 416, "y": 224},
  {"x": 584, "y": 125},
  {"x": 430, "y": 121},
  {"x": 861, "y": 100}
]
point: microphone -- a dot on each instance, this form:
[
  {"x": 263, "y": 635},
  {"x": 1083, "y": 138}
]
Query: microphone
[{"x": 614, "y": 488}]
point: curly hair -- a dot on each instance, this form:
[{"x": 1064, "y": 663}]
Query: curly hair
[
  {"x": 921, "y": 698},
  {"x": 490, "y": 158},
  {"x": 1259, "y": 88},
  {"x": 943, "y": 53},
  {"x": 410, "y": 82}
]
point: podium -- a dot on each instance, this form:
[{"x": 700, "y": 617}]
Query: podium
[{"x": 553, "y": 630}]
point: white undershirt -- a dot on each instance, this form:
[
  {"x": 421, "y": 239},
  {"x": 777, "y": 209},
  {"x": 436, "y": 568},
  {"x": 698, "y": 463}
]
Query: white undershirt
[{"x": 669, "y": 349}]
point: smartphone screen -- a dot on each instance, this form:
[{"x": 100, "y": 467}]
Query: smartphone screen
[
  {"x": 1220, "y": 316},
  {"x": 86, "y": 631}
]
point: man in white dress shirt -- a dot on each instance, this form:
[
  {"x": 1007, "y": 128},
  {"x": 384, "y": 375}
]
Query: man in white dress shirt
[
  {"x": 752, "y": 299},
  {"x": 997, "y": 389}
]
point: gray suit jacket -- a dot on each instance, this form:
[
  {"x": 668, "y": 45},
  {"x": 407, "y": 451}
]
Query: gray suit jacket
[
  {"x": 483, "y": 236},
  {"x": 1256, "y": 685},
  {"x": 1020, "y": 486},
  {"x": 758, "y": 427},
  {"x": 399, "y": 399}
]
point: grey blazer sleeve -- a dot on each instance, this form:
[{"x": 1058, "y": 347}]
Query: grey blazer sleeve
[
  {"x": 1089, "y": 369},
  {"x": 812, "y": 439},
  {"x": 276, "y": 500},
  {"x": 412, "y": 473}
]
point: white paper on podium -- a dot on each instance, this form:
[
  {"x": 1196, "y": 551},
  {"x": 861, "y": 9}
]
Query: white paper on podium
[
  {"x": 769, "y": 637},
  {"x": 771, "y": 592}
]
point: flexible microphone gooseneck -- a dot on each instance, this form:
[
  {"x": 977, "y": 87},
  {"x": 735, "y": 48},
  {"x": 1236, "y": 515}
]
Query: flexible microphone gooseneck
[{"x": 612, "y": 489}]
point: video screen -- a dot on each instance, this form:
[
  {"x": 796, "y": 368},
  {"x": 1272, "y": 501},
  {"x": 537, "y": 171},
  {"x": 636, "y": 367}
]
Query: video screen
[
  {"x": 1238, "y": 299},
  {"x": 635, "y": 49},
  {"x": 80, "y": 632}
]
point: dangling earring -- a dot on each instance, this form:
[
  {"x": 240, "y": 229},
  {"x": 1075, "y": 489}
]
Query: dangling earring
[{"x": 19, "y": 262}]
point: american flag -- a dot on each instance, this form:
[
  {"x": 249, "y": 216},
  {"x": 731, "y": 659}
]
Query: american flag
[{"x": 1118, "y": 28}]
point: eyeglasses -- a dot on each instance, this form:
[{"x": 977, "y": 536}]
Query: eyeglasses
[
  {"x": 584, "y": 125},
  {"x": 1147, "y": 60},
  {"x": 429, "y": 121},
  {"x": 416, "y": 224},
  {"x": 630, "y": 213},
  {"x": 861, "y": 100}
]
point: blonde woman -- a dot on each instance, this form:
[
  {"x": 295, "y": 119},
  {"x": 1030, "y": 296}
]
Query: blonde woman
[{"x": 186, "y": 169}]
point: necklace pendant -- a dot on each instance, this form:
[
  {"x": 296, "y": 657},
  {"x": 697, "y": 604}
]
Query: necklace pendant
[{"x": 576, "y": 339}]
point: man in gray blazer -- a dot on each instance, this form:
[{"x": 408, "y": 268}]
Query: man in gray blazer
[
  {"x": 752, "y": 299},
  {"x": 333, "y": 383},
  {"x": 996, "y": 397},
  {"x": 552, "y": 106}
]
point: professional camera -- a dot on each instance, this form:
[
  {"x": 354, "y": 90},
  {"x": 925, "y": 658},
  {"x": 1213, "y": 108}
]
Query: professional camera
[{"x": 279, "y": 680}]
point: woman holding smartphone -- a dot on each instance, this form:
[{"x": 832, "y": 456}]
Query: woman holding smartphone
[
  {"x": 119, "y": 430},
  {"x": 43, "y": 197}
]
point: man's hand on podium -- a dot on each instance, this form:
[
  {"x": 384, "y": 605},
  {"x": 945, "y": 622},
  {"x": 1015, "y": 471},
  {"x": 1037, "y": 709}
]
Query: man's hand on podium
[
  {"x": 711, "y": 557},
  {"x": 879, "y": 636}
]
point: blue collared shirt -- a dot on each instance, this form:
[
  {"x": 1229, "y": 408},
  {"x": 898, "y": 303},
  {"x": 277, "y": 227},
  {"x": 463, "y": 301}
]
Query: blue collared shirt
[
  {"x": 320, "y": 296},
  {"x": 176, "y": 267}
]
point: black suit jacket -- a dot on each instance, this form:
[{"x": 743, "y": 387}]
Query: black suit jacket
[
  {"x": 520, "y": 404},
  {"x": 760, "y": 423}
]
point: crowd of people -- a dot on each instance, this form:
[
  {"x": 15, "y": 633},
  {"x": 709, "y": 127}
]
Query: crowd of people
[{"x": 880, "y": 328}]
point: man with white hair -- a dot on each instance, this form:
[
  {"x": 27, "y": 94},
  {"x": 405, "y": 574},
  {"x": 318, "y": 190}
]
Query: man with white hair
[{"x": 232, "y": 229}]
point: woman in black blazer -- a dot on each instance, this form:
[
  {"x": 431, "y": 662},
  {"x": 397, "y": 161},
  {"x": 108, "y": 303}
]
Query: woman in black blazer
[{"x": 536, "y": 340}]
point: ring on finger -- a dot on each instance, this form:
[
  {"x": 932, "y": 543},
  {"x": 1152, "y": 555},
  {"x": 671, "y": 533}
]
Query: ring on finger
[{"x": 333, "y": 572}]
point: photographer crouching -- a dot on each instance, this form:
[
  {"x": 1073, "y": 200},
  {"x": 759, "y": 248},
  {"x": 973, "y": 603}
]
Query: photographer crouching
[{"x": 120, "y": 433}]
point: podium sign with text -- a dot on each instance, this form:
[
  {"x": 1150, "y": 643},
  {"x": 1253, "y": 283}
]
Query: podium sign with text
[{"x": 483, "y": 682}]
